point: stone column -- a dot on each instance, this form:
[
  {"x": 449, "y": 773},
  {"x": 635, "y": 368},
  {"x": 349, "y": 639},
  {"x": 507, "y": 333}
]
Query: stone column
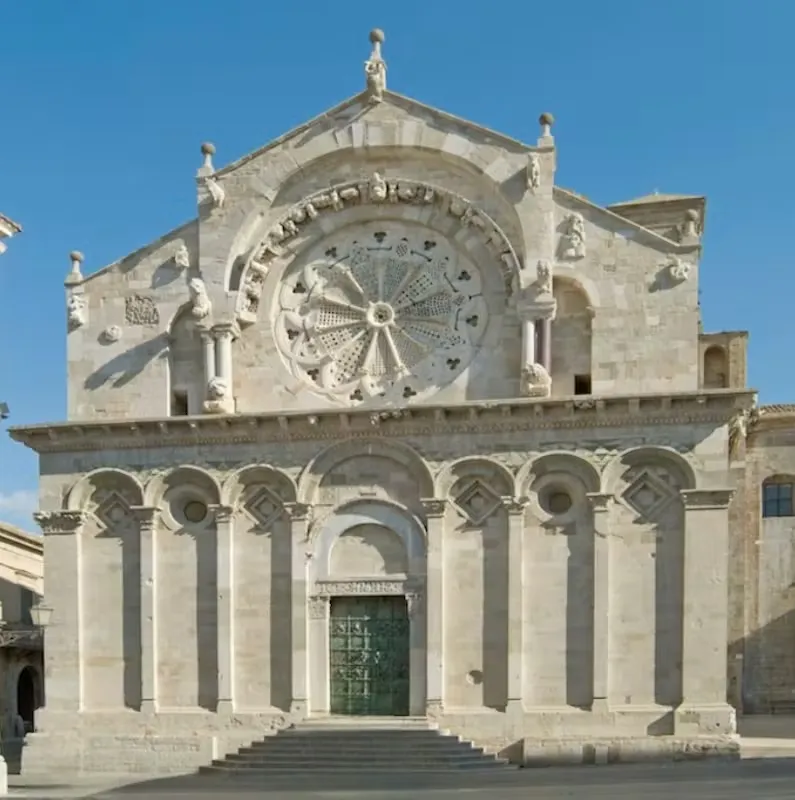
[
  {"x": 600, "y": 506},
  {"x": 225, "y": 584},
  {"x": 516, "y": 508},
  {"x": 320, "y": 686},
  {"x": 147, "y": 517},
  {"x": 63, "y": 647},
  {"x": 704, "y": 706},
  {"x": 224, "y": 336},
  {"x": 434, "y": 606},
  {"x": 546, "y": 344},
  {"x": 208, "y": 345},
  {"x": 299, "y": 516},
  {"x": 528, "y": 341}
]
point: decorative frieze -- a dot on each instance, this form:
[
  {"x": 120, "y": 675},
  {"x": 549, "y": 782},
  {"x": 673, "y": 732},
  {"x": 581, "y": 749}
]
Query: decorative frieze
[
  {"x": 363, "y": 587},
  {"x": 509, "y": 417}
]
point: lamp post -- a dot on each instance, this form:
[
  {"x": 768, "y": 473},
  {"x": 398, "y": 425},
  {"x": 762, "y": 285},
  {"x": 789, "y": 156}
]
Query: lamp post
[{"x": 40, "y": 614}]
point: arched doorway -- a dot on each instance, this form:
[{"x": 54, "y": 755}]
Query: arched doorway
[{"x": 26, "y": 696}]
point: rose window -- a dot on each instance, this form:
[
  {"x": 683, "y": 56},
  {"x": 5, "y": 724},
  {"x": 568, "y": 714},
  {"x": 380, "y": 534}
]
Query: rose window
[{"x": 388, "y": 311}]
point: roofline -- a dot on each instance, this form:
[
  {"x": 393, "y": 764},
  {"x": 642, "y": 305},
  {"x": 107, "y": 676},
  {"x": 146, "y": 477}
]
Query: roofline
[
  {"x": 10, "y": 533},
  {"x": 663, "y": 240},
  {"x": 361, "y": 97},
  {"x": 15, "y": 226},
  {"x": 152, "y": 244},
  {"x": 682, "y": 198}
]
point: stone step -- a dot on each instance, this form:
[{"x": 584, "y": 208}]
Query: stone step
[
  {"x": 364, "y": 758},
  {"x": 225, "y": 767},
  {"x": 363, "y": 724},
  {"x": 361, "y": 751}
]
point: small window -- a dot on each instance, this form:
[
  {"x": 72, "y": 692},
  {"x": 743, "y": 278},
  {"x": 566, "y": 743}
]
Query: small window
[
  {"x": 179, "y": 404},
  {"x": 777, "y": 500},
  {"x": 582, "y": 384}
]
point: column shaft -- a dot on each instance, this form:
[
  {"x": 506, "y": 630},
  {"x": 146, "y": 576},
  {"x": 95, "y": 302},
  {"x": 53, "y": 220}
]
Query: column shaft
[
  {"x": 434, "y": 606},
  {"x": 208, "y": 344},
  {"x": 546, "y": 355},
  {"x": 600, "y": 505},
  {"x": 147, "y": 538},
  {"x": 516, "y": 531},
  {"x": 299, "y": 515},
  {"x": 528, "y": 342},
  {"x": 225, "y": 582}
]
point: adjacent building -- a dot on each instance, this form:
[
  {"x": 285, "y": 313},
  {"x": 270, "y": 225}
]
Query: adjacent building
[{"x": 398, "y": 426}]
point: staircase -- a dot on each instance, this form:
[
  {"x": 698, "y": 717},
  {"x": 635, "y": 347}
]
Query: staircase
[{"x": 358, "y": 747}]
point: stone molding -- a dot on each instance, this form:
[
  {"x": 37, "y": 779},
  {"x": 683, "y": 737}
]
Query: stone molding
[
  {"x": 53, "y": 523},
  {"x": 706, "y": 499},
  {"x": 619, "y": 411},
  {"x": 298, "y": 511},
  {"x": 600, "y": 501},
  {"x": 373, "y": 191},
  {"x": 434, "y": 507},
  {"x": 363, "y": 586},
  {"x": 147, "y": 516},
  {"x": 222, "y": 513}
]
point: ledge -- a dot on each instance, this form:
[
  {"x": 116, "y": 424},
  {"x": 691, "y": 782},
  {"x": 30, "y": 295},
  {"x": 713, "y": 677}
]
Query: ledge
[{"x": 522, "y": 414}]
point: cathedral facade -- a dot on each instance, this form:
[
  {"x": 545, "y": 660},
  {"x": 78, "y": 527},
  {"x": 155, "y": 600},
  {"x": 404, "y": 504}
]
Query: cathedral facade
[{"x": 395, "y": 427}]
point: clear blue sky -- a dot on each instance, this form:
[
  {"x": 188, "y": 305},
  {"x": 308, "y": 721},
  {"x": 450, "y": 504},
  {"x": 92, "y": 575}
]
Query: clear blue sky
[{"x": 105, "y": 102}]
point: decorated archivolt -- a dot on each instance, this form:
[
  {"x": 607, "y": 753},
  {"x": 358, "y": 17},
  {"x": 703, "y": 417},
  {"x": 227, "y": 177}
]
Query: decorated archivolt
[{"x": 377, "y": 190}]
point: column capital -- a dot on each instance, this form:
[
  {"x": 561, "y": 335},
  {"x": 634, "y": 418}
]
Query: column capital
[
  {"x": 53, "y": 523},
  {"x": 600, "y": 501},
  {"x": 703, "y": 499},
  {"x": 221, "y": 329},
  {"x": 515, "y": 505},
  {"x": 298, "y": 511},
  {"x": 537, "y": 308},
  {"x": 222, "y": 512},
  {"x": 146, "y": 515},
  {"x": 318, "y": 606},
  {"x": 434, "y": 506}
]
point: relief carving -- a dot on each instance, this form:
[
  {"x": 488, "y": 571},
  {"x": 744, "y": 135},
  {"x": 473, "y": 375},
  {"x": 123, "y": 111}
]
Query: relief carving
[
  {"x": 533, "y": 171},
  {"x": 376, "y": 190},
  {"x": 328, "y": 588},
  {"x": 182, "y": 257},
  {"x": 573, "y": 244},
  {"x": 218, "y": 396},
  {"x": 141, "y": 310},
  {"x": 217, "y": 193},
  {"x": 199, "y": 298},
  {"x": 678, "y": 270},
  {"x": 76, "y": 311},
  {"x": 536, "y": 381},
  {"x": 111, "y": 334},
  {"x": 544, "y": 277},
  {"x": 317, "y": 607}
]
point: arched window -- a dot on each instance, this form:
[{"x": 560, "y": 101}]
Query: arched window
[
  {"x": 716, "y": 368},
  {"x": 777, "y": 496}
]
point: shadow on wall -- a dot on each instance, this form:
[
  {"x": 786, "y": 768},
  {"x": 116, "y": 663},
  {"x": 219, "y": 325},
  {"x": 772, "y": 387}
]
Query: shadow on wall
[{"x": 126, "y": 366}]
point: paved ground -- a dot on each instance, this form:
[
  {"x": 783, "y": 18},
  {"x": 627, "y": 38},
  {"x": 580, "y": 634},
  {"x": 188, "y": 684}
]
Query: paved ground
[{"x": 770, "y": 779}]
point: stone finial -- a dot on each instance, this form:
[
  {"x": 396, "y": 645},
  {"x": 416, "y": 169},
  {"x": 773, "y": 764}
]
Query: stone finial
[
  {"x": 546, "y": 121},
  {"x": 75, "y": 275},
  {"x": 208, "y": 151},
  {"x": 375, "y": 68}
]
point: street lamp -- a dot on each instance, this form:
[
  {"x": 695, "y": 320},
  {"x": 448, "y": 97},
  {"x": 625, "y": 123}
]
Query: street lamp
[{"x": 40, "y": 613}]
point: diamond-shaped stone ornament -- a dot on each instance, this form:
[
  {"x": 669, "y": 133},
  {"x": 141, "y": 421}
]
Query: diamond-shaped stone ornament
[
  {"x": 647, "y": 495},
  {"x": 264, "y": 506},
  {"x": 477, "y": 502}
]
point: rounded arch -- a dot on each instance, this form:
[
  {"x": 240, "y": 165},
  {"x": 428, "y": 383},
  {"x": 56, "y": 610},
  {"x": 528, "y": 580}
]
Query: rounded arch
[
  {"x": 80, "y": 494},
  {"x": 325, "y": 532},
  {"x": 28, "y": 695},
  {"x": 648, "y": 455},
  {"x": 179, "y": 316},
  {"x": 236, "y": 485},
  {"x": 716, "y": 367},
  {"x": 555, "y": 463},
  {"x": 475, "y": 467},
  {"x": 568, "y": 276},
  {"x": 309, "y": 482},
  {"x": 203, "y": 480}
]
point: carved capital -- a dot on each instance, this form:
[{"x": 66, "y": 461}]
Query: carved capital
[
  {"x": 53, "y": 523},
  {"x": 413, "y": 602},
  {"x": 515, "y": 505},
  {"x": 298, "y": 512},
  {"x": 601, "y": 502},
  {"x": 434, "y": 507},
  {"x": 146, "y": 516},
  {"x": 224, "y": 329},
  {"x": 317, "y": 607},
  {"x": 706, "y": 499},
  {"x": 223, "y": 514}
]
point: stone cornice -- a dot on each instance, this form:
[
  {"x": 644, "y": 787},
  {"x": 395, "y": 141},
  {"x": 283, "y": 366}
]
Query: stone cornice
[
  {"x": 503, "y": 416},
  {"x": 773, "y": 417}
]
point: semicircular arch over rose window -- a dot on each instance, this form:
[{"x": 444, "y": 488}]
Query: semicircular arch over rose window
[{"x": 384, "y": 309}]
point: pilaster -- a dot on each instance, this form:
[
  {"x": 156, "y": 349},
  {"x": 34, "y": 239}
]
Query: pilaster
[
  {"x": 435, "y": 511},
  {"x": 601, "y": 505},
  {"x": 704, "y": 708},
  {"x": 63, "y": 651},
  {"x": 299, "y": 518},
  {"x": 516, "y": 508},
  {"x": 148, "y": 518},
  {"x": 225, "y": 583}
]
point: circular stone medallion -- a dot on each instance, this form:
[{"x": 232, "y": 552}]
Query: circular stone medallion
[{"x": 384, "y": 310}]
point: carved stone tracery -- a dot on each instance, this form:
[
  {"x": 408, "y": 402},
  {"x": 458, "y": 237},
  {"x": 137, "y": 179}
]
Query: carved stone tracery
[
  {"x": 383, "y": 309},
  {"x": 375, "y": 190}
]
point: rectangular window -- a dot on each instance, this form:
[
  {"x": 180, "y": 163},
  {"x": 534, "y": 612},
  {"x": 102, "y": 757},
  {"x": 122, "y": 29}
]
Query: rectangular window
[
  {"x": 179, "y": 404},
  {"x": 582, "y": 384},
  {"x": 777, "y": 500}
]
